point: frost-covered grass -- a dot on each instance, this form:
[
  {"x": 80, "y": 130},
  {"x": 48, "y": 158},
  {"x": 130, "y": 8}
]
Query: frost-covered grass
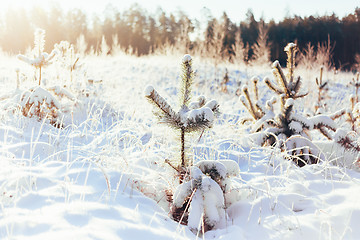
[{"x": 103, "y": 175}]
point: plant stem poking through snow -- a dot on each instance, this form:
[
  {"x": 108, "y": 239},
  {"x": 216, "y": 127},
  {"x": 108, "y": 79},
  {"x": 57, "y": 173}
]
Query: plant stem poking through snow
[{"x": 192, "y": 116}]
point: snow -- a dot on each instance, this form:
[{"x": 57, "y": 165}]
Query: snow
[
  {"x": 289, "y": 102},
  {"x": 204, "y": 113},
  {"x": 148, "y": 90},
  {"x": 211, "y": 104},
  {"x": 323, "y": 120},
  {"x": 104, "y": 176},
  {"x": 186, "y": 58},
  {"x": 41, "y": 60},
  {"x": 38, "y": 95},
  {"x": 289, "y": 46},
  {"x": 274, "y": 65}
]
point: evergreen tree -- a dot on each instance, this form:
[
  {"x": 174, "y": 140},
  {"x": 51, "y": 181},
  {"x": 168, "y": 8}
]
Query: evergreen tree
[{"x": 192, "y": 116}]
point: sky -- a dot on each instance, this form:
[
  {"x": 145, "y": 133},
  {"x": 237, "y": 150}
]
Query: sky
[{"x": 236, "y": 9}]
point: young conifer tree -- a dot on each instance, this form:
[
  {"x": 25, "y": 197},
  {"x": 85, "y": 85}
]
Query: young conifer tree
[
  {"x": 192, "y": 116},
  {"x": 289, "y": 129},
  {"x": 67, "y": 57},
  {"x": 41, "y": 59},
  {"x": 322, "y": 88}
]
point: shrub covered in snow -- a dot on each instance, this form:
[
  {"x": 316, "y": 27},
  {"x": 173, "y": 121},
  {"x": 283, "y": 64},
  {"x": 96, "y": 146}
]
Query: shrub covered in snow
[
  {"x": 192, "y": 116},
  {"x": 201, "y": 200},
  {"x": 40, "y": 103}
]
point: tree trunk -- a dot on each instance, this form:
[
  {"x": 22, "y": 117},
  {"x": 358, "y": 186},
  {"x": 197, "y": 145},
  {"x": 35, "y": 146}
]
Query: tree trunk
[
  {"x": 39, "y": 75},
  {"x": 183, "y": 161}
]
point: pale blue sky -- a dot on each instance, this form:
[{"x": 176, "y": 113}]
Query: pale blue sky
[{"x": 236, "y": 9}]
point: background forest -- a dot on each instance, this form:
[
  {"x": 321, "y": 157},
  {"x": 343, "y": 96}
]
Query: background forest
[{"x": 139, "y": 32}]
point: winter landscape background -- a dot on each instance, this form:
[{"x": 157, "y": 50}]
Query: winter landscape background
[{"x": 93, "y": 162}]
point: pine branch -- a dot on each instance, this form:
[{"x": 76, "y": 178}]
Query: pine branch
[
  {"x": 260, "y": 109},
  {"x": 255, "y": 81},
  {"x": 187, "y": 80},
  {"x": 244, "y": 102},
  {"x": 279, "y": 74},
  {"x": 251, "y": 108},
  {"x": 325, "y": 132},
  {"x": 337, "y": 114},
  {"x": 300, "y": 95},
  {"x": 273, "y": 87},
  {"x": 345, "y": 140},
  {"x": 290, "y": 50},
  {"x": 154, "y": 97},
  {"x": 297, "y": 85}
]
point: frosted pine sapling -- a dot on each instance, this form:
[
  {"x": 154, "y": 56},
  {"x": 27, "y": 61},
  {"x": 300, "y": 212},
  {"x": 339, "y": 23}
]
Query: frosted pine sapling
[
  {"x": 40, "y": 59},
  {"x": 225, "y": 81},
  {"x": 356, "y": 83},
  {"x": 286, "y": 87},
  {"x": 353, "y": 114},
  {"x": 192, "y": 117},
  {"x": 322, "y": 88},
  {"x": 67, "y": 57},
  {"x": 288, "y": 129}
]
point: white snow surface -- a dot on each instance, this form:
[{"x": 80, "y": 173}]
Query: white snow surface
[
  {"x": 148, "y": 90},
  {"x": 104, "y": 176},
  {"x": 186, "y": 58}
]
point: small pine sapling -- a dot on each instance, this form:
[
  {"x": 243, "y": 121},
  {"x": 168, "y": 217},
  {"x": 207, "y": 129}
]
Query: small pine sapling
[
  {"x": 286, "y": 87},
  {"x": 67, "y": 57},
  {"x": 225, "y": 81},
  {"x": 356, "y": 83},
  {"x": 352, "y": 115},
  {"x": 322, "y": 89},
  {"x": 288, "y": 129},
  {"x": 192, "y": 116},
  {"x": 200, "y": 201},
  {"x": 40, "y": 59}
]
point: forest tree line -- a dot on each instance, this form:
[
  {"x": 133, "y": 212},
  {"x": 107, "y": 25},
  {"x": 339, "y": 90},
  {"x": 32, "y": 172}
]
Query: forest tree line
[{"x": 140, "y": 32}]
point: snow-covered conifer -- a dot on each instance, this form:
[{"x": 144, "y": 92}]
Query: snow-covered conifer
[
  {"x": 67, "y": 57},
  {"x": 288, "y": 129},
  {"x": 40, "y": 59},
  {"x": 192, "y": 116},
  {"x": 322, "y": 88},
  {"x": 356, "y": 83},
  {"x": 288, "y": 87}
]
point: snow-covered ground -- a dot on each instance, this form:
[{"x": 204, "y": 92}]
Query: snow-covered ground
[{"x": 103, "y": 175}]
